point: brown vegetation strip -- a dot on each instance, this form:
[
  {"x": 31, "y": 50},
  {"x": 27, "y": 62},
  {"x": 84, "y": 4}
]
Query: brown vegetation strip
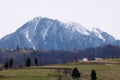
[
  {"x": 93, "y": 63},
  {"x": 54, "y": 68}
]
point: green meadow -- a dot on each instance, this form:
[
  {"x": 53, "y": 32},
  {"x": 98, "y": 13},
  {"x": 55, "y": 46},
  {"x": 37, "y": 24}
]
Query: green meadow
[{"x": 105, "y": 69}]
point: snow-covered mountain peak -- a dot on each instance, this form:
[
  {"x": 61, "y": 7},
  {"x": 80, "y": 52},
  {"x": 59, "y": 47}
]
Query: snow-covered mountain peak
[
  {"x": 45, "y": 33},
  {"x": 36, "y": 19},
  {"x": 97, "y": 30},
  {"x": 79, "y": 28}
]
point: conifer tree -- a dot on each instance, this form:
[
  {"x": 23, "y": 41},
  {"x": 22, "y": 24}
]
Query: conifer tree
[
  {"x": 93, "y": 75},
  {"x": 6, "y": 65},
  {"x": 28, "y": 62},
  {"x": 75, "y": 74},
  {"x": 36, "y": 62},
  {"x": 11, "y": 62}
]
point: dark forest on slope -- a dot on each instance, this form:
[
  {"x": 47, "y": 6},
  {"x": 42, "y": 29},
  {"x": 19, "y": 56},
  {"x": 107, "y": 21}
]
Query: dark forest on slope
[{"x": 45, "y": 57}]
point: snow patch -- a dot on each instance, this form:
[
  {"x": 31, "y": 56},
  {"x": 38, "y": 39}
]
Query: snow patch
[
  {"x": 36, "y": 19},
  {"x": 35, "y": 22},
  {"x": 98, "y": 32},
  {"x": 44, "y": 32},
  {"x": 77, "y": 27},
  {"x": 28, "y": 38}
]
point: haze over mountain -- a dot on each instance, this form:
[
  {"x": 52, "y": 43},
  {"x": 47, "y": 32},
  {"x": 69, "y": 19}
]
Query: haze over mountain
[{"x": 48, "y": 34}]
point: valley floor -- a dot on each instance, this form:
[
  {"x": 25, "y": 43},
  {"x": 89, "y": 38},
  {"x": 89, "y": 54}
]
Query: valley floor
[{"x": 106, "y": 70}]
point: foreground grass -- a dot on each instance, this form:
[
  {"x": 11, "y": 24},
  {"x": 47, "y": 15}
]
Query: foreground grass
[
  {"x": 104, "y": 72},
  {"x": 28, "y": 74}
]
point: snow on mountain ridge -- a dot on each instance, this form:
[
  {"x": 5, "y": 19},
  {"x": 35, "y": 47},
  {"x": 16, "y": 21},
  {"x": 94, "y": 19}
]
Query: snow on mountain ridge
[
  {"x": 44, "y": 33},
  {"x": 71, "y": 25},
  {"x": 30, "y": 29},
  {"x": 7, "y": 36},
  {"x": 35, "y": 21},
  {"x": 77, "y": 27},
  {"x": 98, "y": 32},
  {"x": 26, "y": 32}
]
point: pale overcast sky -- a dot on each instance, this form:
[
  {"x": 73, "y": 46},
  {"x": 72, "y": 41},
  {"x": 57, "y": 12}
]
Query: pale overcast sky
[{"x": 104, "y": 14}]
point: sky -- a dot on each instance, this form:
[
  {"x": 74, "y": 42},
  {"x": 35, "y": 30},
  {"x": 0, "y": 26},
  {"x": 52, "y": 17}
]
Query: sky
[{"x": 103, "y": 14}]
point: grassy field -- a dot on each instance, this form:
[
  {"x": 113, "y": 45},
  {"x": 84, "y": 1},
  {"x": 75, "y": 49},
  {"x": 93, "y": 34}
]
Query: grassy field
[{"x": 104, "y": 69}]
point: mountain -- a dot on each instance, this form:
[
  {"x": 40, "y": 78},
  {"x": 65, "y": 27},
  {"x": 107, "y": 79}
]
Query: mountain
[{"x": 48, "y": 34}]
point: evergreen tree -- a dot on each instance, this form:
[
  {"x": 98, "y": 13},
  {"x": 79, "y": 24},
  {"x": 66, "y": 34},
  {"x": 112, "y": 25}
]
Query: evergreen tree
[
  {"x": 11, "y": 62},
  {"x": 93, "y": 75},
  {"x": 28, "y": 62},
  {"x": 6, "y": 65},
  {"x": 75, "y": 74},
  {"x": 36, "y": 62},
  {"x": 17, "y": 48}
]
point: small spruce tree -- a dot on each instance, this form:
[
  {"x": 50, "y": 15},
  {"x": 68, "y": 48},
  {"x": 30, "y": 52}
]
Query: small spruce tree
[
  {"x": 36, "y": 61},
  {"x": 28, "y": 62},
  {"x": 6, "y": 65},
  {"x": 75, "y": 74},
  {"x": 17, "y": 48},
  {"x": 11, "y": 62},
  {"x": 93, "y": 75}
]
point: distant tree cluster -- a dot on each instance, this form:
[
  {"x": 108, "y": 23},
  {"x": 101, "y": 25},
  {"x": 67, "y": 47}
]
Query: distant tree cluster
[
  {"x": 76, "y": 74},
  {"x": 9, "y": 64},
  {"x": 107, "y": 51}
]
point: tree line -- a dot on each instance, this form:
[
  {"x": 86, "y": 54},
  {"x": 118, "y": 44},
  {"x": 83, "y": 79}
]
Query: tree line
[
  {"x": 10, "y": 63},
  {"x": 76, "y": 74},
  {"x": 44, "y": 57}
]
